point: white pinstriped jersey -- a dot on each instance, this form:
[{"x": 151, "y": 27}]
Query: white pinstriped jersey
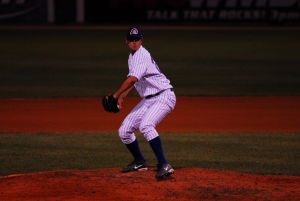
[{"x": 150, "y": 79}]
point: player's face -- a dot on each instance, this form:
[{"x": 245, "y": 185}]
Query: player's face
[{"x": 134, "y": 45}]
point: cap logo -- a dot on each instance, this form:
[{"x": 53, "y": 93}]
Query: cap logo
[{"x": 134, "y": 31}]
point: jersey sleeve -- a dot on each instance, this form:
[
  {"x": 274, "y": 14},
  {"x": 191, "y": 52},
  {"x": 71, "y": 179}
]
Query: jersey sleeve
[{"x": 138, "y": 67}]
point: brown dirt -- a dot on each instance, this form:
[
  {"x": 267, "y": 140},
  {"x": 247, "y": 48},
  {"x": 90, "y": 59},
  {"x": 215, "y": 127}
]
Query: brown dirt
[
  {"x": 216, "y": 114},
  {"x": 275, "y": 114},
  {"x": 188, "y": 184}
]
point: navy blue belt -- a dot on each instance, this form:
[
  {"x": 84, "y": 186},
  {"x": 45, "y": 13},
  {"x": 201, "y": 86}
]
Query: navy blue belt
[{"x": 153, "y": 95}]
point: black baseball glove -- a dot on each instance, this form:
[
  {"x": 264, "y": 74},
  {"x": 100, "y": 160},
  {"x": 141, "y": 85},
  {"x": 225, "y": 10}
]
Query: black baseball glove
[{"x": 110, "y": 104}]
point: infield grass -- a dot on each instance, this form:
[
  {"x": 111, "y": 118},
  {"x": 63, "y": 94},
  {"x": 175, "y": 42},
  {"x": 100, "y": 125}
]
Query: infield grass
[{"x": 264, "y": 153}]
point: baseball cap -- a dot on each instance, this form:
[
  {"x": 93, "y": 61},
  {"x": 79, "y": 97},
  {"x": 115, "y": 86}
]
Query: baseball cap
[{"x": 134, "y": 34}]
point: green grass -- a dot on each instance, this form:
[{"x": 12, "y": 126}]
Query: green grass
[
  {"x": 92, "y": 63},
  {"x": 264, "y": 153}
]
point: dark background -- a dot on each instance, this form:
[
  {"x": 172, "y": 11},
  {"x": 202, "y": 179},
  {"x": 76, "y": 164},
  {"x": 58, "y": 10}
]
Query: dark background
[{"x": 165, "y": 12}]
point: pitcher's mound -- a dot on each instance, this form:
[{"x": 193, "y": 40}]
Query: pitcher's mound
[{"x": 186, "y": 184}]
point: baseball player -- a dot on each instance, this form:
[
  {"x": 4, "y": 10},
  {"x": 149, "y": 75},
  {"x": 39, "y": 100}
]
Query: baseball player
[{"x": 158, "y": 100}]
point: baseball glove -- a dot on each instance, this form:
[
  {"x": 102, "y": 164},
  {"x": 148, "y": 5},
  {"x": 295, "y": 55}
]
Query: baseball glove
[{"x": 110, "y": 104}]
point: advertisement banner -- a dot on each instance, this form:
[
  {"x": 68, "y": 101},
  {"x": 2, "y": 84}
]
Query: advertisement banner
[
  {"x": 194, "y": 11},
  {"x": 23, "y": 11},
  {"x": 234, "y": 11},
  {"x": 183, "y": 12}
]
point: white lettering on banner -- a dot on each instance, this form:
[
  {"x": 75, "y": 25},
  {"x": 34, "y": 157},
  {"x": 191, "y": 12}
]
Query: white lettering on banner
[
  {"x": 16, "y": 8},
  {"x": 20, "y": 1},
  {"x": 210, "y": 3},
  {"x": 285, "y": 3},
  {"x": 51, "y": 11},
  {"x": 162, "y": 15},
  {"x": 5, "y": 2},
  {"x": 80, "y": 11},
  {"x": 242, "y": 15},
  {"x": 247, "y": 3},
  {"x": 232, "y": 10},
  {"x": 282, "y": 16},
  {"x": 244, "y": 3},
  {"x": 198, "y": 15},
  {"x": 274, "y": 15}
]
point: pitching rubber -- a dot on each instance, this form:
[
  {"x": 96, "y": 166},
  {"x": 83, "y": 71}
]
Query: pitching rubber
[{"x": 143, "y": 169}]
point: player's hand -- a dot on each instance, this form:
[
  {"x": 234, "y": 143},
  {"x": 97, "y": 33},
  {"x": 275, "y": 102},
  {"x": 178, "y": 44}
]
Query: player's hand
[{"x": 120, "y": 101}]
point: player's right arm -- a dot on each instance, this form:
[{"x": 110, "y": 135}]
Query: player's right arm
[
  {"x": 123, "y": 96},
  {"x": 125, "y": 88}
]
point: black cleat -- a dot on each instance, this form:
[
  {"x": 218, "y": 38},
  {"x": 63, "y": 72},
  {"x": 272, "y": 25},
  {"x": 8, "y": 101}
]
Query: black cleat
[
  {"x": 164, "y": 170},
  {"x": 135, "y": 166}
]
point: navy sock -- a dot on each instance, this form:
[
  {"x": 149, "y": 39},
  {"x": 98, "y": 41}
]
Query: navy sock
[
  {"x": 135, "y": 151},
  {"x": 158, "y": 150}
]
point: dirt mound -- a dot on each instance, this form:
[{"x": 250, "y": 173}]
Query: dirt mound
[{"x": 187, "y": 184}]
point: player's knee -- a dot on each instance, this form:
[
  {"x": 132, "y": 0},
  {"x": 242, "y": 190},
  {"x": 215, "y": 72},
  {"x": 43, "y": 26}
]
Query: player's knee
[
  {"x": 145, "y": 128},
  {"x": 123, "y": 132},
  {"x": 126, "y": 136},
  {"x": 148, "y": 131}
]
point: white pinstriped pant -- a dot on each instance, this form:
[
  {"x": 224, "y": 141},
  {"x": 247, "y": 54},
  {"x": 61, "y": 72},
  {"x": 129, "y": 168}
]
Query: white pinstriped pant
[{"x": 146, "y": 115}]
